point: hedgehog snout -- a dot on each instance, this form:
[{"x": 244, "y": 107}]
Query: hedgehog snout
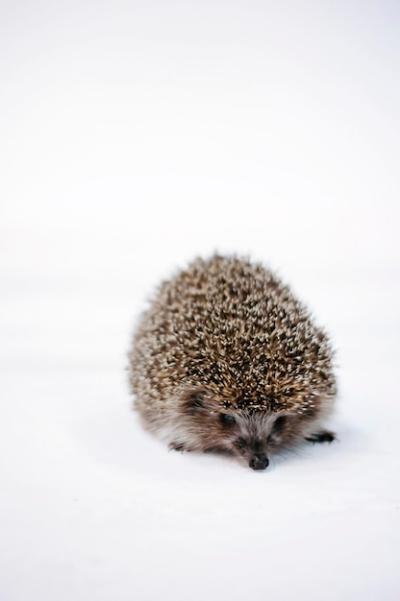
[
  {"x": 259, "y": 462},
  {"x": 255, "y": 449},
  {"x": 258, "y": 453}
]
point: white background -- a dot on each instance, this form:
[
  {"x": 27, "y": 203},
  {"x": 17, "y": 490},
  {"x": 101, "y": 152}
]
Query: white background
[{"x": 135, "y": 135}]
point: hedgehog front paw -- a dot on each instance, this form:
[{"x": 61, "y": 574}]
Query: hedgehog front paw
[
  {"x": 321, "y": 436},
  {"x": 176, "y": 446}
]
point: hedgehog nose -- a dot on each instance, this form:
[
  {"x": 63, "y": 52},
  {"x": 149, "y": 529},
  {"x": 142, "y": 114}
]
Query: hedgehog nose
[{"x": 259, "y": 462}]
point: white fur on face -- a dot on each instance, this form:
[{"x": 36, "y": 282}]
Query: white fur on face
[{"x": 252, "y": 434}]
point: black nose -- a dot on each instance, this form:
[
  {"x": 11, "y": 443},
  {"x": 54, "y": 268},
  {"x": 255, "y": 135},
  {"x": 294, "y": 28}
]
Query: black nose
[{"x": 259, "y": 462}]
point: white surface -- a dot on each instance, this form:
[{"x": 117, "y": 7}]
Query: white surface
[{"x": 134, "y": 136}]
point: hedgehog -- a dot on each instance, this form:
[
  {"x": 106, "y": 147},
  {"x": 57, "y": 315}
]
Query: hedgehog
[{"x": 226, "y": 359}]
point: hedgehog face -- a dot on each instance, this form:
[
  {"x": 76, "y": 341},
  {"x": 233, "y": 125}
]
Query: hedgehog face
[{"x": 250, "y": 435}]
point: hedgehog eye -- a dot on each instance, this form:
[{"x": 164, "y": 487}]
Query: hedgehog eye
[
  {"x": 279, "y": 424},
  {"x": 226, "y": 419}
]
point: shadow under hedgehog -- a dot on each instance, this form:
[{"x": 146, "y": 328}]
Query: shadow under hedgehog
[{"x": 226, "y": 359}]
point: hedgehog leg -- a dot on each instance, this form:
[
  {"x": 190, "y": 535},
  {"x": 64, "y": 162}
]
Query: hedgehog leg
[
  {"x": 321, "y": 436},
  {"x": 177, "y": 446}
]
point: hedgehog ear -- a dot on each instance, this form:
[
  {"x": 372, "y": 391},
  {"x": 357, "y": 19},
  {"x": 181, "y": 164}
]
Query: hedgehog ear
[{"x": 194, "y": 399}]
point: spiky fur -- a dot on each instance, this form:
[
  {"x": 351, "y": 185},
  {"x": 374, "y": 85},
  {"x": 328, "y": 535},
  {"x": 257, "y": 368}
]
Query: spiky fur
[{"x": 226, "y": 337}]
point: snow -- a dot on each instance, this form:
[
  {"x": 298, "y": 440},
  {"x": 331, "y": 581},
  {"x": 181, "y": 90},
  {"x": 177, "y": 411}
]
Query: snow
[{"x": 134, "y": 137}]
